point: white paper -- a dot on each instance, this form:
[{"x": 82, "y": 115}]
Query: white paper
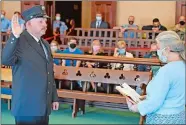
[{"x": 128, "y": 91}]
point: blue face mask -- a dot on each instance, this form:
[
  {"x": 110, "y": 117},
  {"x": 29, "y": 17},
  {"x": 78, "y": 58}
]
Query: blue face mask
[
  {"x": 138, "y": 90},
  {"x": 121, "y": 51},
  {"x": 98, "y": 18},
  {"x": 161, "y": 56}
]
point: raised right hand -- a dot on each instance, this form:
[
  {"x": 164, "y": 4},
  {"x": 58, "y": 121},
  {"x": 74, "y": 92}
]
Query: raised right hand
[{"x": 17, "y": 29}]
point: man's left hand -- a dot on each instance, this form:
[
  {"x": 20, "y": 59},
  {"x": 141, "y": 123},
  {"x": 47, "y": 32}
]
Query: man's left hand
[{"x": 55, "y": 105}]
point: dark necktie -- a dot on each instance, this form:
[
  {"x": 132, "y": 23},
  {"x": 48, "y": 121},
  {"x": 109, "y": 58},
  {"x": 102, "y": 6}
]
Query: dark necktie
[
  {"x": 98, "y": 24},
  {"x": 41, "y": 45}
]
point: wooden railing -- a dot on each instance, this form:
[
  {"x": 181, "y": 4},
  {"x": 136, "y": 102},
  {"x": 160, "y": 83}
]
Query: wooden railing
[
  {"x": 109, "y": 59},
  {"x": 139, "y": 45}
]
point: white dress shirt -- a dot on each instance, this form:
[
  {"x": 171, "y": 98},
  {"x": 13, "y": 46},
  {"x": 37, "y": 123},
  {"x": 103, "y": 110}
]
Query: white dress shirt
[
  {"x": 44, "y": 48},
  {"x": 98, "y": 23}
]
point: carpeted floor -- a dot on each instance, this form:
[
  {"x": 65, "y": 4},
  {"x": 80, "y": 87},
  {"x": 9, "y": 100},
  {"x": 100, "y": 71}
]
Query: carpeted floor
[{"x": 92, "y": 116}]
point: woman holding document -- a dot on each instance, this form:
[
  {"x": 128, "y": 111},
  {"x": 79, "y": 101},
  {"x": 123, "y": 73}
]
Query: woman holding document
[{"x": 165, "y": 99}]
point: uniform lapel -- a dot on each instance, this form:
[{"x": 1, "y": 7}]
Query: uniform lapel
[
  {"x": 100, "y": 24},
  {"x": 33, "y": 43}
]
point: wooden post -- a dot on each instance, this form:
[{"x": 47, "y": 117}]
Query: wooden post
[{"x": 9, "y": 104}]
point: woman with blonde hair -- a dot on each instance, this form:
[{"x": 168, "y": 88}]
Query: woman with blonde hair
[
  {"x": 120, "y": 51},
  {"x": 54, "y": 45},
  {"x": 96, "y": 50},
  {"x": 165, "y": 99}
]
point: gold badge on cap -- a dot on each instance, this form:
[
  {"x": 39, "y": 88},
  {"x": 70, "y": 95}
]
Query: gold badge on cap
[{"x": 43, "y": 7}]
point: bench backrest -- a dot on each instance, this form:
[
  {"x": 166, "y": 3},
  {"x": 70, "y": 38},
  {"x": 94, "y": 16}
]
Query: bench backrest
[{"x": 104, "y": 75}]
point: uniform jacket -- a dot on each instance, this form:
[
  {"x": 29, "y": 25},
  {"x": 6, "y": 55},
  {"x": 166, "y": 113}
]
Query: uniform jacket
[{"x": 33, "y": 86}]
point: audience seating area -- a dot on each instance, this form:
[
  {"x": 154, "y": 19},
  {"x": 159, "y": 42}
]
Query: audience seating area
[
  {"x": 139, "y": 46},
  {"x": 133, "y": 78}
]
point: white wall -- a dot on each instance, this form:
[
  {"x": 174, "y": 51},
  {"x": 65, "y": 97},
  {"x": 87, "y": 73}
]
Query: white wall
[
  {"x": 145, "y": 11},
  {"x": 10, "y": 7}
]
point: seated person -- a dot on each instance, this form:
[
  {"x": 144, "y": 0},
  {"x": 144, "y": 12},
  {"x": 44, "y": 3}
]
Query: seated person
[
  {"x": 180, "y": 28},
  {"x": 152, "y": 54},
  {"x": 131, "y": 26},
  {"x": 96, "y": 50},
  {"x": 156, "y": 27},
  {"x": 120, "y": 51},
  {"x": 154, "y": 69},
  {"x": 72, "y": 49},
  {"x": 54, "y": 45}
]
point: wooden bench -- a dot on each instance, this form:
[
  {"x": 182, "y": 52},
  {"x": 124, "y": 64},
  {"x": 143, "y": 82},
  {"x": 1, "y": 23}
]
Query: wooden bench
[
  {"x": 6, "y": 82},
  {"x": 79, "y": 97},
  {"x": 131, "y": 77}
]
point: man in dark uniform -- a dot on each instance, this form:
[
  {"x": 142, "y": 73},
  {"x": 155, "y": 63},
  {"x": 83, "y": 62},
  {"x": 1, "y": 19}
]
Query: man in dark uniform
[{"x": 34, "y": 91}]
